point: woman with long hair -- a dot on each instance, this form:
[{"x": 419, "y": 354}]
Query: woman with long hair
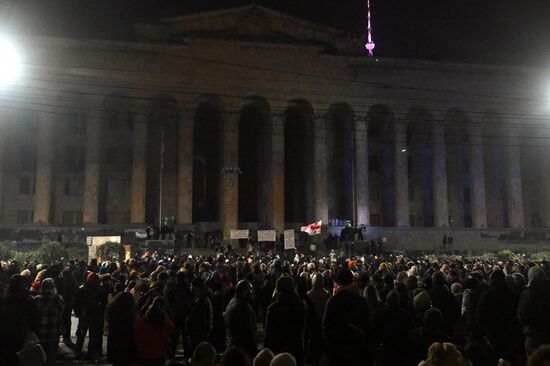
[
  {"x": 121, "y": 317},
  {"x": 153, "y": 333}
]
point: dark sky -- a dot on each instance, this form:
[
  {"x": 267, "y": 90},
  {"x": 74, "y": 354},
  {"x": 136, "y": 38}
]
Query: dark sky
[{"x": 485, "y": 31}]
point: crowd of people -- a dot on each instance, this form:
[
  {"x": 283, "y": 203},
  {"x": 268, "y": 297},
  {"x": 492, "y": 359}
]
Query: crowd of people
[{"x": 276, "y": 310}]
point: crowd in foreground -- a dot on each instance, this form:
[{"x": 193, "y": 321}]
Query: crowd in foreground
[{"x": 270, "y": 310}]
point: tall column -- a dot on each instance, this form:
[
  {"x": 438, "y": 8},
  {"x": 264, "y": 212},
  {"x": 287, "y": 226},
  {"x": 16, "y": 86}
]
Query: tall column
[
  {"x": 320, "y": 169},
  {"x": 139, "y": 167},
  {"x": 439, "y": 173},
  {"x": 185, "y": 169},
  {"x": 44, "y": 168},
  {"x": 7, "y": 116},
  {"x": 276, "y": 195},
  {"x": 545, "y": 172},
  {"x": 477, "y": 177},
  {"x": 361, "y": 172},
  {"x": 514, "y": 186},
  {"x": 93, "y": 166},
  {"x": 401, "y": 178},
  {"x": 229, "y": 195}
]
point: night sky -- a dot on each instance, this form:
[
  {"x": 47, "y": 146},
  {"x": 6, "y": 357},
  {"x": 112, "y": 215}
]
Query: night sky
[{"x": 480, "y": 31}]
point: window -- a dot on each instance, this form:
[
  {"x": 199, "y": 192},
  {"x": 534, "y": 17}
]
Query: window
[
  {"x": 26, "y": 157},
  {"x": 111, "y": 217},
  {"x": 467, "y": 195},
  {"x": 72, "y": 217},
  {"x": 374, "y": 163},
  {"x": 75, "y": 123},
  {"x": 374, "y": 220},
  {"x": 25, "y": 186},
  {"x": 374, "y": 193},
  {"x": 75, "y": 158},
  {"x": 373, "y": 131},
  {"x": 25, "y": 217},
  {"x": 126, "y": 218},
  {"x": 466, "y": 166}
]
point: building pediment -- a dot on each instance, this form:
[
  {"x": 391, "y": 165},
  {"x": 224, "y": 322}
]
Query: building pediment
[{"x": 250, "y": 23}]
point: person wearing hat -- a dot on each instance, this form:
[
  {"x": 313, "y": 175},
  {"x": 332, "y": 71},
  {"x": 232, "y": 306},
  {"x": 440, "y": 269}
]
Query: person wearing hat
[
  {"x": 240, "y": 319},
  {"x": 285, "y": 323},
  {"x": 49, "y": 311},
  {"x": 89, "y": 307},
  {"x": 345, "y": 308}
]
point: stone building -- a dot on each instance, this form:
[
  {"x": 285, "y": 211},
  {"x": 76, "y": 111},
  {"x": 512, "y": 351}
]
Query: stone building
[{"x": 251, "y": 118}]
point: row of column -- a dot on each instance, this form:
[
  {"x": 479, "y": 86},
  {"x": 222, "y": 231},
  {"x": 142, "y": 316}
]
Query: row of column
[{"x": 276, "y": 198}]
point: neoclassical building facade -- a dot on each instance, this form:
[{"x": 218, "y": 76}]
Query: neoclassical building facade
[{"x": 251, "y": 118}]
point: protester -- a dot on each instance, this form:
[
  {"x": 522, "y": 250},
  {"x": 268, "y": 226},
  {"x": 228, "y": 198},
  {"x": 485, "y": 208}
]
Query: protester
[
  {"x": 241, "y": 319},
  {"x": 121, "y": 316},
  {"x": 153, "y": 333},
  {"x": 49, "y": 308}
]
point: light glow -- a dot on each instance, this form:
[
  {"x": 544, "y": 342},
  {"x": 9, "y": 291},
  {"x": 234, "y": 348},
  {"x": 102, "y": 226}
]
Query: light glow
[
  {"x": 10, "y": 61},
  {"x": 370, "y": 44}
]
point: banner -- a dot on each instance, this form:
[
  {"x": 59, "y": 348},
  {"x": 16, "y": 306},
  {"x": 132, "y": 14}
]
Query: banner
[
  {"x": 289, "y": 239},
  {"x": 267, "y": 235},
  {"x": 313, "y": 229},
  {"x": 239, "y": 234}
]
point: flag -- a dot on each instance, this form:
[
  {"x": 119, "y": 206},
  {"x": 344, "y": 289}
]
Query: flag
[{"x": 313, "y": 229}]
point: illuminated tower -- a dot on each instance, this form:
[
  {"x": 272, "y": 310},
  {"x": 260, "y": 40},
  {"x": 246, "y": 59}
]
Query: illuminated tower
[{"x": 370, "y": 44}]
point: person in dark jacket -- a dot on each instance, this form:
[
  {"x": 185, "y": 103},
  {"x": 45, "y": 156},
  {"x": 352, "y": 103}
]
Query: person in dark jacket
[
  {"x": 121, "y": 316},
  {"x": 344, "y": 310},
  {"x": 240, "y": 319},
  {"x": 430, "y": 332},
  {"x": 179, "y": 299},
  {"x": 445, "y": 301},
  {"x": 89, "y": 307},
  {"x": 497, "y": 313},
  {"x": 285, "y": 323},
  {"x": 49, "y": 310},
  {"x": 17, "y": 318},
  {"x": 533, "y": 313},
  {"x": 201, "y": 316},
  {"x": 70, "y": 286}
]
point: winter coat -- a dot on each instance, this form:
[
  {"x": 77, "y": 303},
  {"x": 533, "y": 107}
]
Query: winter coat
[
  {"x": 240, "y": 320},
  {"x": 90, "y": 301},
  {"x": 533, "y": 307},
  {"x": 285, "y": 325}
]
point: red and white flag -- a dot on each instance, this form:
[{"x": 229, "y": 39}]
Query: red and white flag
[{"x": 313, "y": 229}]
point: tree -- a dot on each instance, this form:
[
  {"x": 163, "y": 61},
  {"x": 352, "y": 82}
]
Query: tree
[
  {"x": 111, "y": 251},
  {"x": 51, "y": 253}
]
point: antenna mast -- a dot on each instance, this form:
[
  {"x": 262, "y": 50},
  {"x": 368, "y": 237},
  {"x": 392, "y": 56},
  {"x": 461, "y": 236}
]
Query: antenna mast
[{"x": 370, "y": 44}]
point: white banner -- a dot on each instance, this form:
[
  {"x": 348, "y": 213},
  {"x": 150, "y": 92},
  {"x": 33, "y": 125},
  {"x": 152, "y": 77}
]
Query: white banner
[
  {"x": 239, "y": 234},
  {"x": 267, "y": 235},
  {"x": 289, "y": 239}
]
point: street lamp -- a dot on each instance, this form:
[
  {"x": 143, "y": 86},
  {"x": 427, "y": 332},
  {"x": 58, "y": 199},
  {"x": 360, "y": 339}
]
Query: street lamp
[{"x": 10, "y": 61}]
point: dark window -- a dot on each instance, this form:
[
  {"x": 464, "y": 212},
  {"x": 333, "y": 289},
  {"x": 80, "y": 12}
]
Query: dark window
[
  {"x": 374, "y": 193},
  {"x": 78, "y": 217},
  {"x": 126, "y": 218},
  {"x": 374, "y": 163},
  {"x": 75, "y": 158},
  {"x": 373, "y": 131},
  {"x": 111, "y": 218},
  {"x": 25, "y": 186},
  {"x": 374, "y": 220},
  {"x": 75, "y": 123},
  {"x": 467, "y": 195},
  {"x": 466, "y": 166},
  {"x": 26, "y": 157},
  {"x": 25, "y": 217},
  {"x": 68, "y": 218},
  {"x": 67, "y": 187}
]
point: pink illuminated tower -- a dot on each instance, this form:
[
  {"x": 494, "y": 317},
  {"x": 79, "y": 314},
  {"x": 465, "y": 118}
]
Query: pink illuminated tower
[{"x": 370, "y": 44}]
